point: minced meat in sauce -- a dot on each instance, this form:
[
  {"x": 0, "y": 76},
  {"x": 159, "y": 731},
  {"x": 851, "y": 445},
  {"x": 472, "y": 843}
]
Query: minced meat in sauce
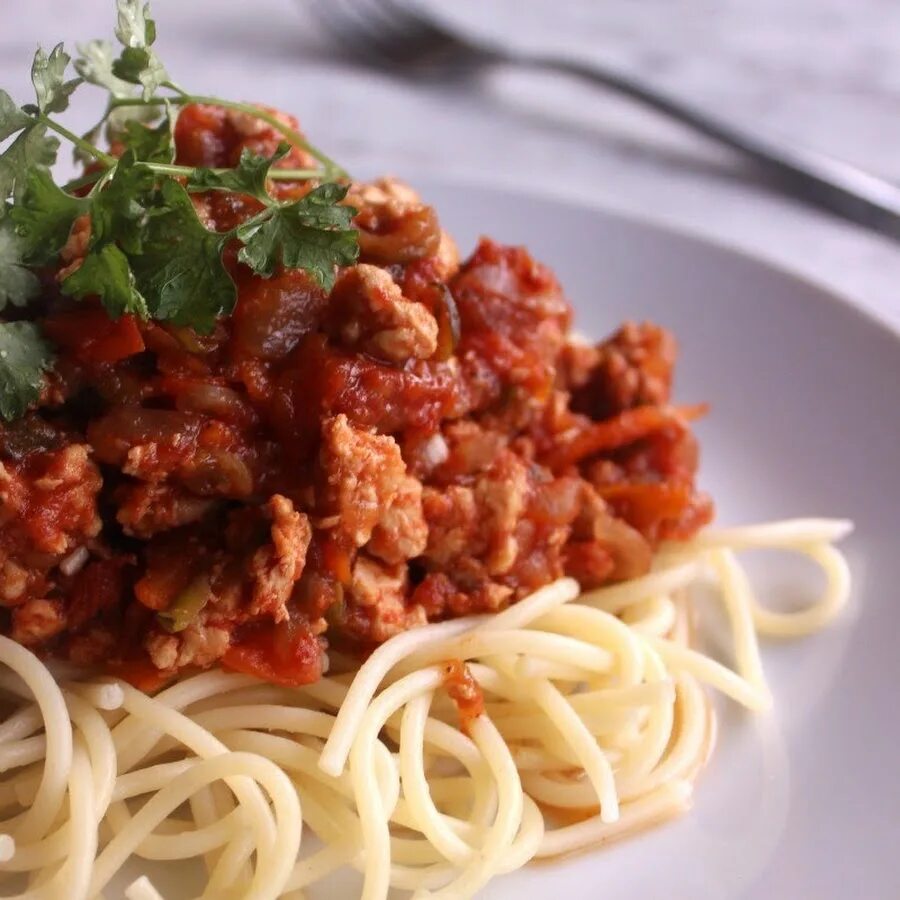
[{"x": 426, "y": 441}]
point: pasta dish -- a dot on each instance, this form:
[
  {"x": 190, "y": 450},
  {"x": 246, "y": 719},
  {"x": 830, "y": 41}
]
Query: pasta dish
[{"x": 321, "y": 544}]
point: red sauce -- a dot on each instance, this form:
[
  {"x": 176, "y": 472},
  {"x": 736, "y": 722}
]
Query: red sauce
[
  {"x": 464, "y": 691},
  {"x": 426, "y": 442}
]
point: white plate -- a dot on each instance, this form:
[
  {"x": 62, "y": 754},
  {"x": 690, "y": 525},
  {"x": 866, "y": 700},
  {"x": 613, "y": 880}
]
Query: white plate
[{"x": 805, "y": 802}]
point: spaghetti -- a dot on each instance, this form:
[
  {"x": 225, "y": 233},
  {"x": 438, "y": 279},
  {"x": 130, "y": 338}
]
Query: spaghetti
[{"x": 594, "y": 725}]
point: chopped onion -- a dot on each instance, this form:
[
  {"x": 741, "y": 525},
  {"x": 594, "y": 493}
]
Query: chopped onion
[
  {"x": 74, "y": 562},
  {"x": 435, "y": 451}
]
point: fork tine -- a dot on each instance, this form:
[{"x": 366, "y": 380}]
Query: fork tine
[
  {"x": 428, "y": 35},
  {"x": 333, "y": 24},
  {"x": 354, "y": 29},
  {"x": 381, "y": 30},
  {"x": 398, "y": 32},
  {"x": 407, "y": 18}
]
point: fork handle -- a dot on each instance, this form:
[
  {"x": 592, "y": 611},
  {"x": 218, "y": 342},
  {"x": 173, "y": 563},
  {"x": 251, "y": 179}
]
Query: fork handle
[{"x": 827, "y": 182}]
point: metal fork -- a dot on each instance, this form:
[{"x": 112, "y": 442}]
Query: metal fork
[{"x": 392, "y": 35}]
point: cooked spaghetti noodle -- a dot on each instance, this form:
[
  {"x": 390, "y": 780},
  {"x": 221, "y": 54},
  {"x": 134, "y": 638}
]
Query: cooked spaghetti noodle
[{"x": 588, "y": 721}]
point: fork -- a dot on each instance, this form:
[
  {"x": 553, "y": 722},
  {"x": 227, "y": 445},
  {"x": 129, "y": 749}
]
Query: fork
[{"x": 391, "y": 35}]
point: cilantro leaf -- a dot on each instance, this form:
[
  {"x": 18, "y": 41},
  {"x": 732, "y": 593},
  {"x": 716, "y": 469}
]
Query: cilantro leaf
[
  {"x": 12, "y": 119},
  {"x": 120, "y": 210},
  {"x": 248, "y": 178},
  {"x": 107, "y": 274},
  {"x": 33, "y": 148},
  {"x": 17, "y": 284},
  {"x": 313, "y": 234},
  {"x": 95, "y": 65},
  {"x": 43, "y": 217},
  {"x": 138, "y": 64},
  {"x": 118, "y": 215},
  {"x": 180, "y": 270},
  {"x": 48, "y": 77},
  {"x": 149, "y": 144},
  {"x": 134, "y": 27},
  {"x": 149, "y": 253},
  {"x": 24, "y": 356}
]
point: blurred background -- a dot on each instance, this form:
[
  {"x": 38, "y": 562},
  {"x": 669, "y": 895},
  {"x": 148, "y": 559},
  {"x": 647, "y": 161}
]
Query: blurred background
[{"x": 823, "y": 73}]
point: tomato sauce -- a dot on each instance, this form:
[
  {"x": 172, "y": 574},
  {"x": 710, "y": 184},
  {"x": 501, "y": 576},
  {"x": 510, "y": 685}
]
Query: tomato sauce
[{"x": 428, "y": 440}]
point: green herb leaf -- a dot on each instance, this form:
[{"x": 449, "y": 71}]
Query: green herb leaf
[
  {"x": 12, "y": 119},
  {"x": 313, "y": 234},
  {"x": 120, "y": 210},
  {"x": 43, "y": 217},
  {"x": 134, "y": 27},
  {"x": 24, "y": 356},
  {"x": 107, "y": 274},
  {"x": 148, "y": 251},
  {"x": 95, "y": 65},
  {"x": 48, "y": 77},
  {"x": 180, "y": 270},
  {"x": 17, "y": 284},
  {"x": 150, "y": 254},
  {"x": 149, "y": 144},
  {"x": 138, "y": 64},
  {"x": 32, "y": 149},
  {"x": 248, "y": 178},
  {"x": 119, "y": 213}
]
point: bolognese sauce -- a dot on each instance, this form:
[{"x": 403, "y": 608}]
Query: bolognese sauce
[{"x": 427, "y": 440}]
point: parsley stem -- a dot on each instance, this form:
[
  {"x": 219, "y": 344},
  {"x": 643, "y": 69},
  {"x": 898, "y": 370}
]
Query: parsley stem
[
  {"x": 167, "y": 169},
  {"x": 294, "y": 174},
  {"x": 81, "y": 143},
  {"x": 332, "y": 169},
  {"x": 83, "y": 181},
  {"x": 297, "y": 139},
  {"x": 276, "y": 174}
]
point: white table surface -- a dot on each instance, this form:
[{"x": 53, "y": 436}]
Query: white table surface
[{"x": 822, "y": 72}]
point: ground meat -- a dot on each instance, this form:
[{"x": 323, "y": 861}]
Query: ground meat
[
  {"x": 59, "y": 501},
  {"x": 36, "y": 621},
  {"x": 500, "y": 496},
  {"x": 15, "y": 581},
  {"x": 471, "y": 449},
  {"x": 276, "y": 567},
  {"x": 362, "y": 474},
  {"x": 200, "y": 644},
  {"x": 394, "y": 225},
  {"x": 377, "y": 607},
  {"x": 452, "y": 517},
  {"x": 146, "y": 509},
  {"x": 634, "y": 368},
  {"x": 425, "y": 440},
  {"x": 401, "y": 532},
  {"x": 48, "y": 507},
  {"x": 478, "y": 523},
  {"x": 368, "y": 311},
  {"x": 576, "y": 362}
]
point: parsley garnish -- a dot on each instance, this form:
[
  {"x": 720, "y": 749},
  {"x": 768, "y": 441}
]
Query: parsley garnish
[
  {"x": 24, "y": 355},
  {"x": 17, "y": 283},
  {"x": 311, "y": 234},
  {"x": 148, "y": 254}
]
